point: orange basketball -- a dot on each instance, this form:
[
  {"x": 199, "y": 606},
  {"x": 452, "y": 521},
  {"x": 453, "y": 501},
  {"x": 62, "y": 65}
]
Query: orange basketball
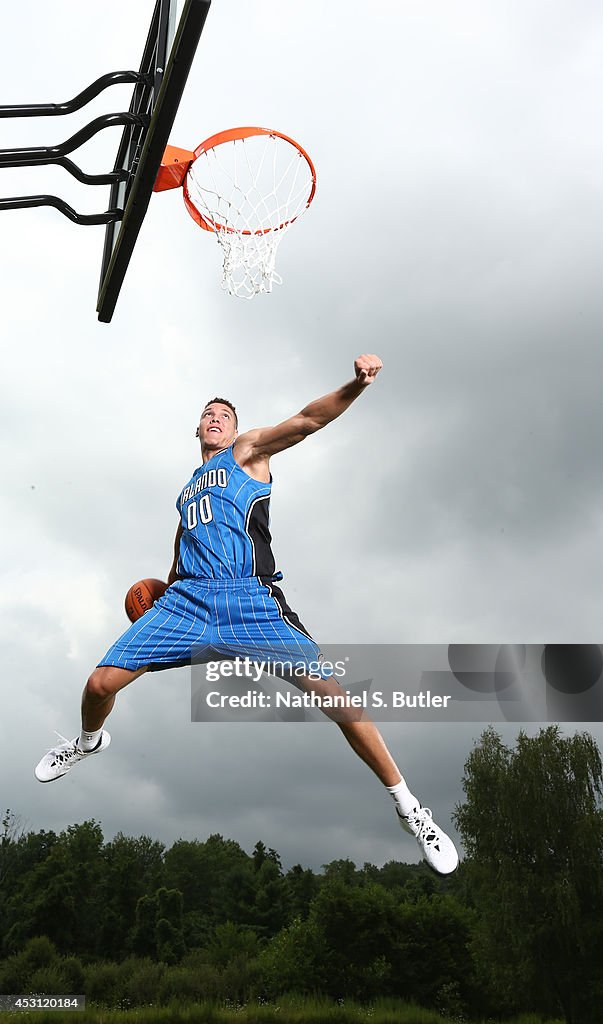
[{"x": 142, "y": 595}]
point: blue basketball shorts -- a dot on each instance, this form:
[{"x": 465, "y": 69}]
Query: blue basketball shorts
[{"x": 201, "y": 620}]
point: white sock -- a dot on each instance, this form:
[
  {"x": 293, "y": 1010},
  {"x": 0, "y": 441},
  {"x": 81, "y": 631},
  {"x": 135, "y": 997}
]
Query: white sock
[
  {"x": 89, "y": 740},
  {"x": 403, "y": 797}
]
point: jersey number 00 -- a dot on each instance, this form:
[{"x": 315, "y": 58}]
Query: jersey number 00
[{"x": 204, "y": 515}]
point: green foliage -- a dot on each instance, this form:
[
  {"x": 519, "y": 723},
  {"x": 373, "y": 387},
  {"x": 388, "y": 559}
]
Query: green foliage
[
  {"x": 103, "y": 983},
  {"x": 302, "y": 886},
  {"x": 16, "y": 970},
  {"x": 533, "y": 828},
  {"x": 182, "y": 985},
  {"x": 293, "y": 961},
  {"x": 209, "y": 978},
  {"x": 206, "y": 921},
  {"x": 261, "y": 854},
  {"x": 10, "y": 833},
  {"x": 49, "y": 980},
  {"x": 73, "y": 975},
  {"x": 144, "y": 938},
  {"x": 59, "y": 896},
  {"x": 169, "y": 942},
  {"x": 159, "y": 926},
  {"x": 168, "y": 930},
  {"x": 289, "y": 1010},
  {"x": 132, "y": 868},
  {"x": 217, "y": 882},
  {"x": 143, "y": 984},
  {"x": 358, "y": 928},
  {"x": 231, "y": 943},
  {"x": 432, "y": 963},
  {"x": 39, "y": 952},
  {"x": 270, "y": 906},
  {"x": 39, "y": 968},
  {"x": 342, "y": 871},
  {"x": 361, "y": 942}
]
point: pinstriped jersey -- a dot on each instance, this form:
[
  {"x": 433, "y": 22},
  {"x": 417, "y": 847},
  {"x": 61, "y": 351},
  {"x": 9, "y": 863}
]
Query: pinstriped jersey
[{"x": 225, "y": 522}]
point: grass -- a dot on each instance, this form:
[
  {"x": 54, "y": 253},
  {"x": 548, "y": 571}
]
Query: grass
[{"x": 288, "y": 1010}]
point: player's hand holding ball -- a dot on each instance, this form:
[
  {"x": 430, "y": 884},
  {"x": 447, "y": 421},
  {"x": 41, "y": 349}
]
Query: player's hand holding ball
[
  {"x": 366, "y": 369},
  {"x": 142, "y": 595}
]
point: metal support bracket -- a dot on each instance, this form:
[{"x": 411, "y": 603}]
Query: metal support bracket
[
  {"x": 42, "y": 155},
  {"x": 27, "y": 202},
  {"x": 79, "y": 101},
  {"x": 34, "y": 155}
]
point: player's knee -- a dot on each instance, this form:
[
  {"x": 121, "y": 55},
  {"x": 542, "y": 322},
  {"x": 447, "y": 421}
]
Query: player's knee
[
  {"x": 335, "y": 702},
  {"x": 99, "y": 684}
]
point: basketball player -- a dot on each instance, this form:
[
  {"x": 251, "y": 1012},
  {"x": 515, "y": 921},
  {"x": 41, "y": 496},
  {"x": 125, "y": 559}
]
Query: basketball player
[{"x": 222, "y": 601}]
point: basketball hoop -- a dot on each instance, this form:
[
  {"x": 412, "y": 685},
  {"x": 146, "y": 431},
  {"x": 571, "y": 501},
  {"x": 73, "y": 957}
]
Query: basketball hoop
[{"x": 248, "y": 186}]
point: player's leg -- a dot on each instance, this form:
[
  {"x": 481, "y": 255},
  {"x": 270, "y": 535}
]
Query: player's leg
[
  {"x": 262, "y": 625},
  {"x": 360, "y": 732},
  {"x": 367, "y": 742},
  {"x": 162, "y": 637},
  {"x": 97, "y": 701},
  {"x": 98, "y": 697}
]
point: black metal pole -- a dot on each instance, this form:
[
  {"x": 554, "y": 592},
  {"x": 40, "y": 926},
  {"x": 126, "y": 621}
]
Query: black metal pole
[
  {"x": 164, "y": 37},
  {"x": 183, "y": 50},
  {"x": 27, "y": 202},
  {"x": 35, "y": 155},
  {"x": 82, "y": 98},
  {"x": 89, "y": 179}
]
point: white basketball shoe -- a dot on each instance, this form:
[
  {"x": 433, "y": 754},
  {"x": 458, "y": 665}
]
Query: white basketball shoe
[
  {"x": 437, "y": 848},
  {"x": 61, "y": 759}
]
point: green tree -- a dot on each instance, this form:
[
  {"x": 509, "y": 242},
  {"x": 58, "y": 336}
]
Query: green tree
[
  {"x": 294, "y": 961},
  {"x": 271, "y": 902},
  {"x": 60, "y": 895},
  {"x": 411, "y": 881},
  {"x": 159, "y": 926},
  {"x": 356, "y": 928},
  {"x": 431, "y": 958},
  {"x": 132, "y": 868},
  {"x": 170, "y": 943},
  {"x": 20, "y": 855},
  {"x": 11, "y": 830},
  {"x": 17, "y": 969},
  {"x": 302, "y": 885},
  {"x": 216, "y": 879},
  {"x": 144, "y": 938},
  {"x": 532, "y": 826},
  {"x": 343, "y": 870},
  {"x": 231, "y": 943},
  {"x": 170, "y": 939}
]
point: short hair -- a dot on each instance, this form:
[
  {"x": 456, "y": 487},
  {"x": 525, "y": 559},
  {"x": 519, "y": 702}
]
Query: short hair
[{"x": 223, "y": 401}]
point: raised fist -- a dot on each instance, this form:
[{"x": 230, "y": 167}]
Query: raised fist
[{"x": 366, "y": 369}]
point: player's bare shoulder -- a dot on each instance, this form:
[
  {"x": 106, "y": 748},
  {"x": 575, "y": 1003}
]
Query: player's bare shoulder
[{"x": 248, "y": 456}]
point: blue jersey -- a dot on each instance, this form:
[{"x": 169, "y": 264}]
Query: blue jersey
[
  {"x": 225, "y": 523},
  {"x": 225, "y": 603}
]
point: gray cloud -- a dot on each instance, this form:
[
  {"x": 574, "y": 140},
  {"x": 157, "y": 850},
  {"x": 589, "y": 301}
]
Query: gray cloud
[{"x": 456, "y": 231}]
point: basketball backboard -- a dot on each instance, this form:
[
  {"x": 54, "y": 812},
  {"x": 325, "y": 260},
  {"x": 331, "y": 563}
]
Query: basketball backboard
[{"x": 165, "y": 65}]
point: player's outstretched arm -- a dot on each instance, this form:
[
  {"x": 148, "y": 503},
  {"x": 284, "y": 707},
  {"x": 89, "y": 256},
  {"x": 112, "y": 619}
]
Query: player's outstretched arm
[{"x": 266, "y": 441}]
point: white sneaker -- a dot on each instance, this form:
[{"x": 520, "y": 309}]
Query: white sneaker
[
  {"x": 437, "y": 848},
  {"x": 61, "y": 759}
]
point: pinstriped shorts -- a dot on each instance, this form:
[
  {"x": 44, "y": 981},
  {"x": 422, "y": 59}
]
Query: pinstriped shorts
[{"x": 200, "y": 620}]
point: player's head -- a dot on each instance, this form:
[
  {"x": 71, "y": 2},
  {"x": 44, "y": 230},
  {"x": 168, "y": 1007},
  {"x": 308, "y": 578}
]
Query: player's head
[{"x": 218, "y": 425}]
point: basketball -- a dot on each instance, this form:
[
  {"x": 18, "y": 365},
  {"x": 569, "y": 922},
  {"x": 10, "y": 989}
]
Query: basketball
[{"x": 141, "y": 596}]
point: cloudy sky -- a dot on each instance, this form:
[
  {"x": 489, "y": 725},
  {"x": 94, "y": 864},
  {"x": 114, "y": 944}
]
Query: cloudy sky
[{"x": 457, "y": 231}]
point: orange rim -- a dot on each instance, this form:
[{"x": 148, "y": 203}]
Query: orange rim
[{"x": 236, "y": 135}]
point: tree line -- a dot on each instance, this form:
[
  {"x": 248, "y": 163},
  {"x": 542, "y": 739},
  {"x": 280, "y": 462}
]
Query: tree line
[{"x": 518, "y": 928}]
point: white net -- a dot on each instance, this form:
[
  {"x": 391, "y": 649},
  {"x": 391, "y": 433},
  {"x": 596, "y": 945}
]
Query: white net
[{"x": 249, "y": 192}]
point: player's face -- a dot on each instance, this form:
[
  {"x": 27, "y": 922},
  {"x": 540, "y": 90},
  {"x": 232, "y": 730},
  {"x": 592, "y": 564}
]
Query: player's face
[{"x": 217, "y": 427}]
